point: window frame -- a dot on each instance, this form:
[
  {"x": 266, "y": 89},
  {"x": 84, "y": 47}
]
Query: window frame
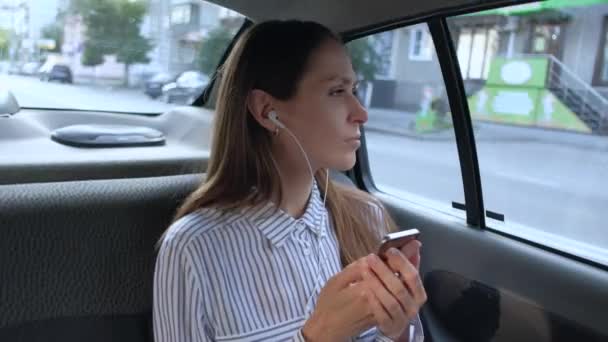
[
  {"x": 467, "y": 148},
  {"x": 465, "y": 140},
  {"x": 476, "y": 215}
]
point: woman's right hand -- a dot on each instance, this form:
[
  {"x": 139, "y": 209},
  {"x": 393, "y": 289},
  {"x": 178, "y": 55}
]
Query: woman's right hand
[{"x": 344, "y": 306}]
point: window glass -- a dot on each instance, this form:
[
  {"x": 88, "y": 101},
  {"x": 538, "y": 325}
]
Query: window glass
[
  {"x": 410, "y": 140},
  {"x": 421, "y": 48},
  {"x": 540, "y": 122},
  {"x": 180, "y": 14},
  {"x": 476, "y": 46},
  {"x": 77, "y": 54},
  {"x": 383, "y": 43}
]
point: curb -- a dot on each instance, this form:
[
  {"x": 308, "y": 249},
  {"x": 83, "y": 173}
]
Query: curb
[{"x": 410, "y": 134}]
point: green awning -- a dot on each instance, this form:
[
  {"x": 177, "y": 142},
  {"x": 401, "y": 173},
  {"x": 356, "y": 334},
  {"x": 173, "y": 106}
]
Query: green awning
[{"x": 536, "y": 7}]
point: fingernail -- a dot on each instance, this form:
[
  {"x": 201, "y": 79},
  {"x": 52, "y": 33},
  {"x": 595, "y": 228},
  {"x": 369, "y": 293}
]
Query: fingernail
[
  {"x": 373, "y": 258},
  {"x": 393, "y": 251}
]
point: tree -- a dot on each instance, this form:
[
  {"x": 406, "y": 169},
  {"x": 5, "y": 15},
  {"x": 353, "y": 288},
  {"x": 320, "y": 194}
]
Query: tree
[
  {"x": 5, "y": 38},
  {"x": 92, "y": 56},
  {"x": 212, "y": 48},
  {"x": 132, "y": 47},
  {"x": 113, "y": 27},
  {"x": 54, "y": 31},
  {"x": 366, "y": 60}
]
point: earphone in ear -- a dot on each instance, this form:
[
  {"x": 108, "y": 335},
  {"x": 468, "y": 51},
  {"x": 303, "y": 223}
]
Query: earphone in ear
[
  {"x": 273, "y": 116},
  {"x": 275, "y": 119}
]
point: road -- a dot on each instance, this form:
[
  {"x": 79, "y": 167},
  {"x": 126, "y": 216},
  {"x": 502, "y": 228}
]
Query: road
[
  {"x": 558, "y": 189},
  {"x": 30, "y": 92},
  {"x": 556, "y": 184}
]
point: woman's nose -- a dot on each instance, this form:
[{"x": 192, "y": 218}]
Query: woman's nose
[{"x": 358, "y": 112}]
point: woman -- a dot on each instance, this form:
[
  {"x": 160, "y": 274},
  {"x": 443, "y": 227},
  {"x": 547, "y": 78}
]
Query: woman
[{"x": 267, "y": 248}]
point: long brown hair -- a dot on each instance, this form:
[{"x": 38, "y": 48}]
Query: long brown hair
[{"x": 272, "y": 56}]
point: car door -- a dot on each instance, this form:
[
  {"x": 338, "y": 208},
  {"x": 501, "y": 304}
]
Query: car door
[{"x": 508, "y": 198}]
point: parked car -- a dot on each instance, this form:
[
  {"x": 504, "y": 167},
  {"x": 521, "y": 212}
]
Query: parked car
[
  {"x": 186, "y": 88},
  {"x": 14, "y": 69},
  {"x": 4, "y": 67},
  {"x": 57, "y": 72},
  {"x": 30, "y": 68},
  {"x": 153, "y": 86}
]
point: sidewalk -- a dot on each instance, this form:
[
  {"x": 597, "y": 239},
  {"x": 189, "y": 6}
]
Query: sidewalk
[{"x": 402, "y": 123}]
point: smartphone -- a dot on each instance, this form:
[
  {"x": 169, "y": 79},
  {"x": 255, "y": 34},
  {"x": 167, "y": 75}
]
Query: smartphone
[{"x": 397, "y": 240}]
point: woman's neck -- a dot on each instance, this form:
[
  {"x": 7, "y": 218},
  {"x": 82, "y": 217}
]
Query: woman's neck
[{"x": 296, "y": 183}]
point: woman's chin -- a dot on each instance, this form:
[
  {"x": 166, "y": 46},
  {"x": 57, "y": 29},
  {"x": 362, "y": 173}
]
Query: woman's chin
[{"x": 346, "y": 163}]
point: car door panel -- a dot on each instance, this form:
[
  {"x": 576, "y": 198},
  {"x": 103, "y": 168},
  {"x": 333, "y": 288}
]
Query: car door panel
[{"x": 485, "y": 286}]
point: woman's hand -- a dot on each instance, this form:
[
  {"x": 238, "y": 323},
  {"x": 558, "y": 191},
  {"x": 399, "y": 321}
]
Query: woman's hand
[
  {"x": 397, "y": 287},
  {"x": 412, "y": 252},
  {"x": 366, "y": 294},
  {"x": 344, "y": 307}
]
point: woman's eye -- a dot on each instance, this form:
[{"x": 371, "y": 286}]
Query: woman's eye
[{"x": 336, "y": 92}]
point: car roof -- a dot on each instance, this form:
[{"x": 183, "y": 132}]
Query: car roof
[{"x": 350, "y": 15}]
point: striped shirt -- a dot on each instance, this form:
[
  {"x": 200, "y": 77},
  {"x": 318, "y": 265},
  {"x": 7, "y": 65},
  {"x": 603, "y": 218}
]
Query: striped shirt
[{"x": 252, "y": 274}]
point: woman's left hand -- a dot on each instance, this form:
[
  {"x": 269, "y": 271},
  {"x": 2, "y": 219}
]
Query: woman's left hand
[{"x": 398, "y": 289}]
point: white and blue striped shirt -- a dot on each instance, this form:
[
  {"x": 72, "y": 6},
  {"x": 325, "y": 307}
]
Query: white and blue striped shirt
[{"x": 246, "y": 275}]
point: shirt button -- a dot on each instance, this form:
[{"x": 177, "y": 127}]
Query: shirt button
[{"x": 306, "y": 251}]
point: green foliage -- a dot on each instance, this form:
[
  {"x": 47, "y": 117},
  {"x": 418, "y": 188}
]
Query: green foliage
[
  {"x": 212, "y": 48},
  {"x": 113, "y": 27},
  {"x": 5, "y": 38},
  {"x": 366, "y": 60},
  {"x": 91, "y": 56},
  {"x": 54, "y": 31},
  {"x": 131, "y": 47}
]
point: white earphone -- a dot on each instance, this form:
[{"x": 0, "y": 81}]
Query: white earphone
[
  {"x": 275, "y": 119},
  {"x": 273, "y": 116}
]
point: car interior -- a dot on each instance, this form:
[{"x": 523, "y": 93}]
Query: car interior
[{"x": 81, "y": 211}]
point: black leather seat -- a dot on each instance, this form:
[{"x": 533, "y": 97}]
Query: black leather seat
[{"x": 77, "y": 258}]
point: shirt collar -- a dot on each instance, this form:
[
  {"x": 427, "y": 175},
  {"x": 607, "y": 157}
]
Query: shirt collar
[{"x": 277, "y": 225}]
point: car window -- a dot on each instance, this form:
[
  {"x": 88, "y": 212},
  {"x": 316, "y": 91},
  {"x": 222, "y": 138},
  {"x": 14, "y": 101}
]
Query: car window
[
  {"x": 409, "y": 135},
  {"x": 127, "y": 50},
  {"x": 536, "y": 77}
]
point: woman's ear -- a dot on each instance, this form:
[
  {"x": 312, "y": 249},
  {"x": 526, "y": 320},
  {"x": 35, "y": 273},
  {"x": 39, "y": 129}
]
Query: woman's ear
[{"x": 259, "y": 104}]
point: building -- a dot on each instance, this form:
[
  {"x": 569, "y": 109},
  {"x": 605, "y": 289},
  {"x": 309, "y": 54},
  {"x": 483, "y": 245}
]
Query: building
[
  {"x": 408, "y": 71},
  {"x": 178, "y": 28},
  {"x": 571, "y": 38},
  {"x": 25, "y": 19}
]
